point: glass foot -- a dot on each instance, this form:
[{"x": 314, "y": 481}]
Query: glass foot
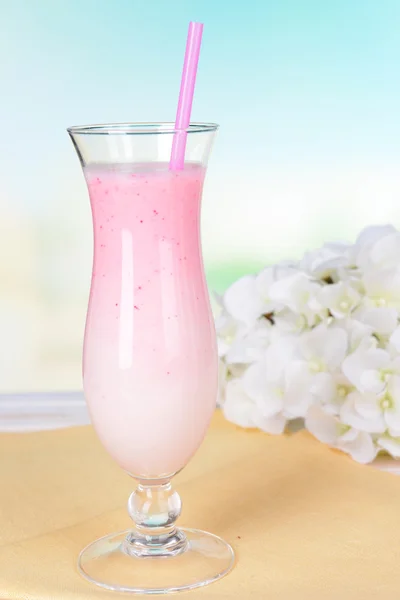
[{"x": 109, "y": 563}]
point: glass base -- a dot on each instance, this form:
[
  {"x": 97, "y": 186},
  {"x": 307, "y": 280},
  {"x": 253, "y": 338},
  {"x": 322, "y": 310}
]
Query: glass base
[{"x": 107, "y": 562}]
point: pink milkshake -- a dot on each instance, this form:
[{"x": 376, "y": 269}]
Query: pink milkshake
[{"x": 150, "y": 359}]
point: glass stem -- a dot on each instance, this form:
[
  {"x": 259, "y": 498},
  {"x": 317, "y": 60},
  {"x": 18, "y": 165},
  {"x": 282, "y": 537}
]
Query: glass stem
[{"x": 154, "y": 510}]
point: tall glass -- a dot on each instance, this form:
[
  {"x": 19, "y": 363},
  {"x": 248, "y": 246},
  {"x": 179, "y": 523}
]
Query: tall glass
[{"x": 150, "y": 358}]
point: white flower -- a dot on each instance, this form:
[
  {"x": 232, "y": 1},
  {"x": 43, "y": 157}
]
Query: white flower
[
  {"x": 323, "y": 348},
  {"x": 382, "y": 251},
  {"x": 264, "y": 280},
  {"x": 240, "y": 342},
  {"x": 298, "y": 292},
  {"x": 339, "y": 298},
  {"x": 358, "y": 333},
  {"x": 374, "y": 412},
  {"x": 395, "y": 339},
  {"x": 276, "y": 387},
  {"x": 240, "y": 409},
  {"x": 228, "y": 330},
  {"x": 364, "y": 251},
  {"x": 269, "y": 385},
  {"x": 330, "y": 390},
  {"x": 242, "y": 301},
  {"x": 250, "y": 297},
  {"x": 362, "y": 411},
  {"x": 288, "y": 321},
  {"x": 326, "y": 262},
  {"x": 370, "y": 369},
  {"x": 390, "y": 443},
  {"x": 293, "y": 373},
  {"x": 382, "y": 287},
  {"x": 330, "y": 430},
  {"x": 318, "y": 339},
  {"x": 249, "y": 346},
  {"x": 385, "y": 253},
  {"x": 380, "y": 320},
  {"x": 309, "y": 374}
]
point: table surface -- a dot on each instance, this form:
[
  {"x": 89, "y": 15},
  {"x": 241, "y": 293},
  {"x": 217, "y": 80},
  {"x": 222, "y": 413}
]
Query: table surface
[{"x": 38, "y": 412}]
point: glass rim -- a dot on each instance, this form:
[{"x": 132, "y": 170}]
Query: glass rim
[{"x": 140, "y": 128}]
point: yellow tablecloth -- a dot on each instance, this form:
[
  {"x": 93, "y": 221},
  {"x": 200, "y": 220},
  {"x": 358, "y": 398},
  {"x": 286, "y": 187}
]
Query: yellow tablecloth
[{"x": 306, "y": 523}]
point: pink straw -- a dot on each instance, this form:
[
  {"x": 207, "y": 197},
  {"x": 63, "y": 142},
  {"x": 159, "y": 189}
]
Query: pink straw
[{"x": 186, "y": 95}]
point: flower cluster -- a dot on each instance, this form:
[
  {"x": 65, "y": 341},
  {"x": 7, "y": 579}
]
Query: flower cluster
[{"x": 319, "y": 340}]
